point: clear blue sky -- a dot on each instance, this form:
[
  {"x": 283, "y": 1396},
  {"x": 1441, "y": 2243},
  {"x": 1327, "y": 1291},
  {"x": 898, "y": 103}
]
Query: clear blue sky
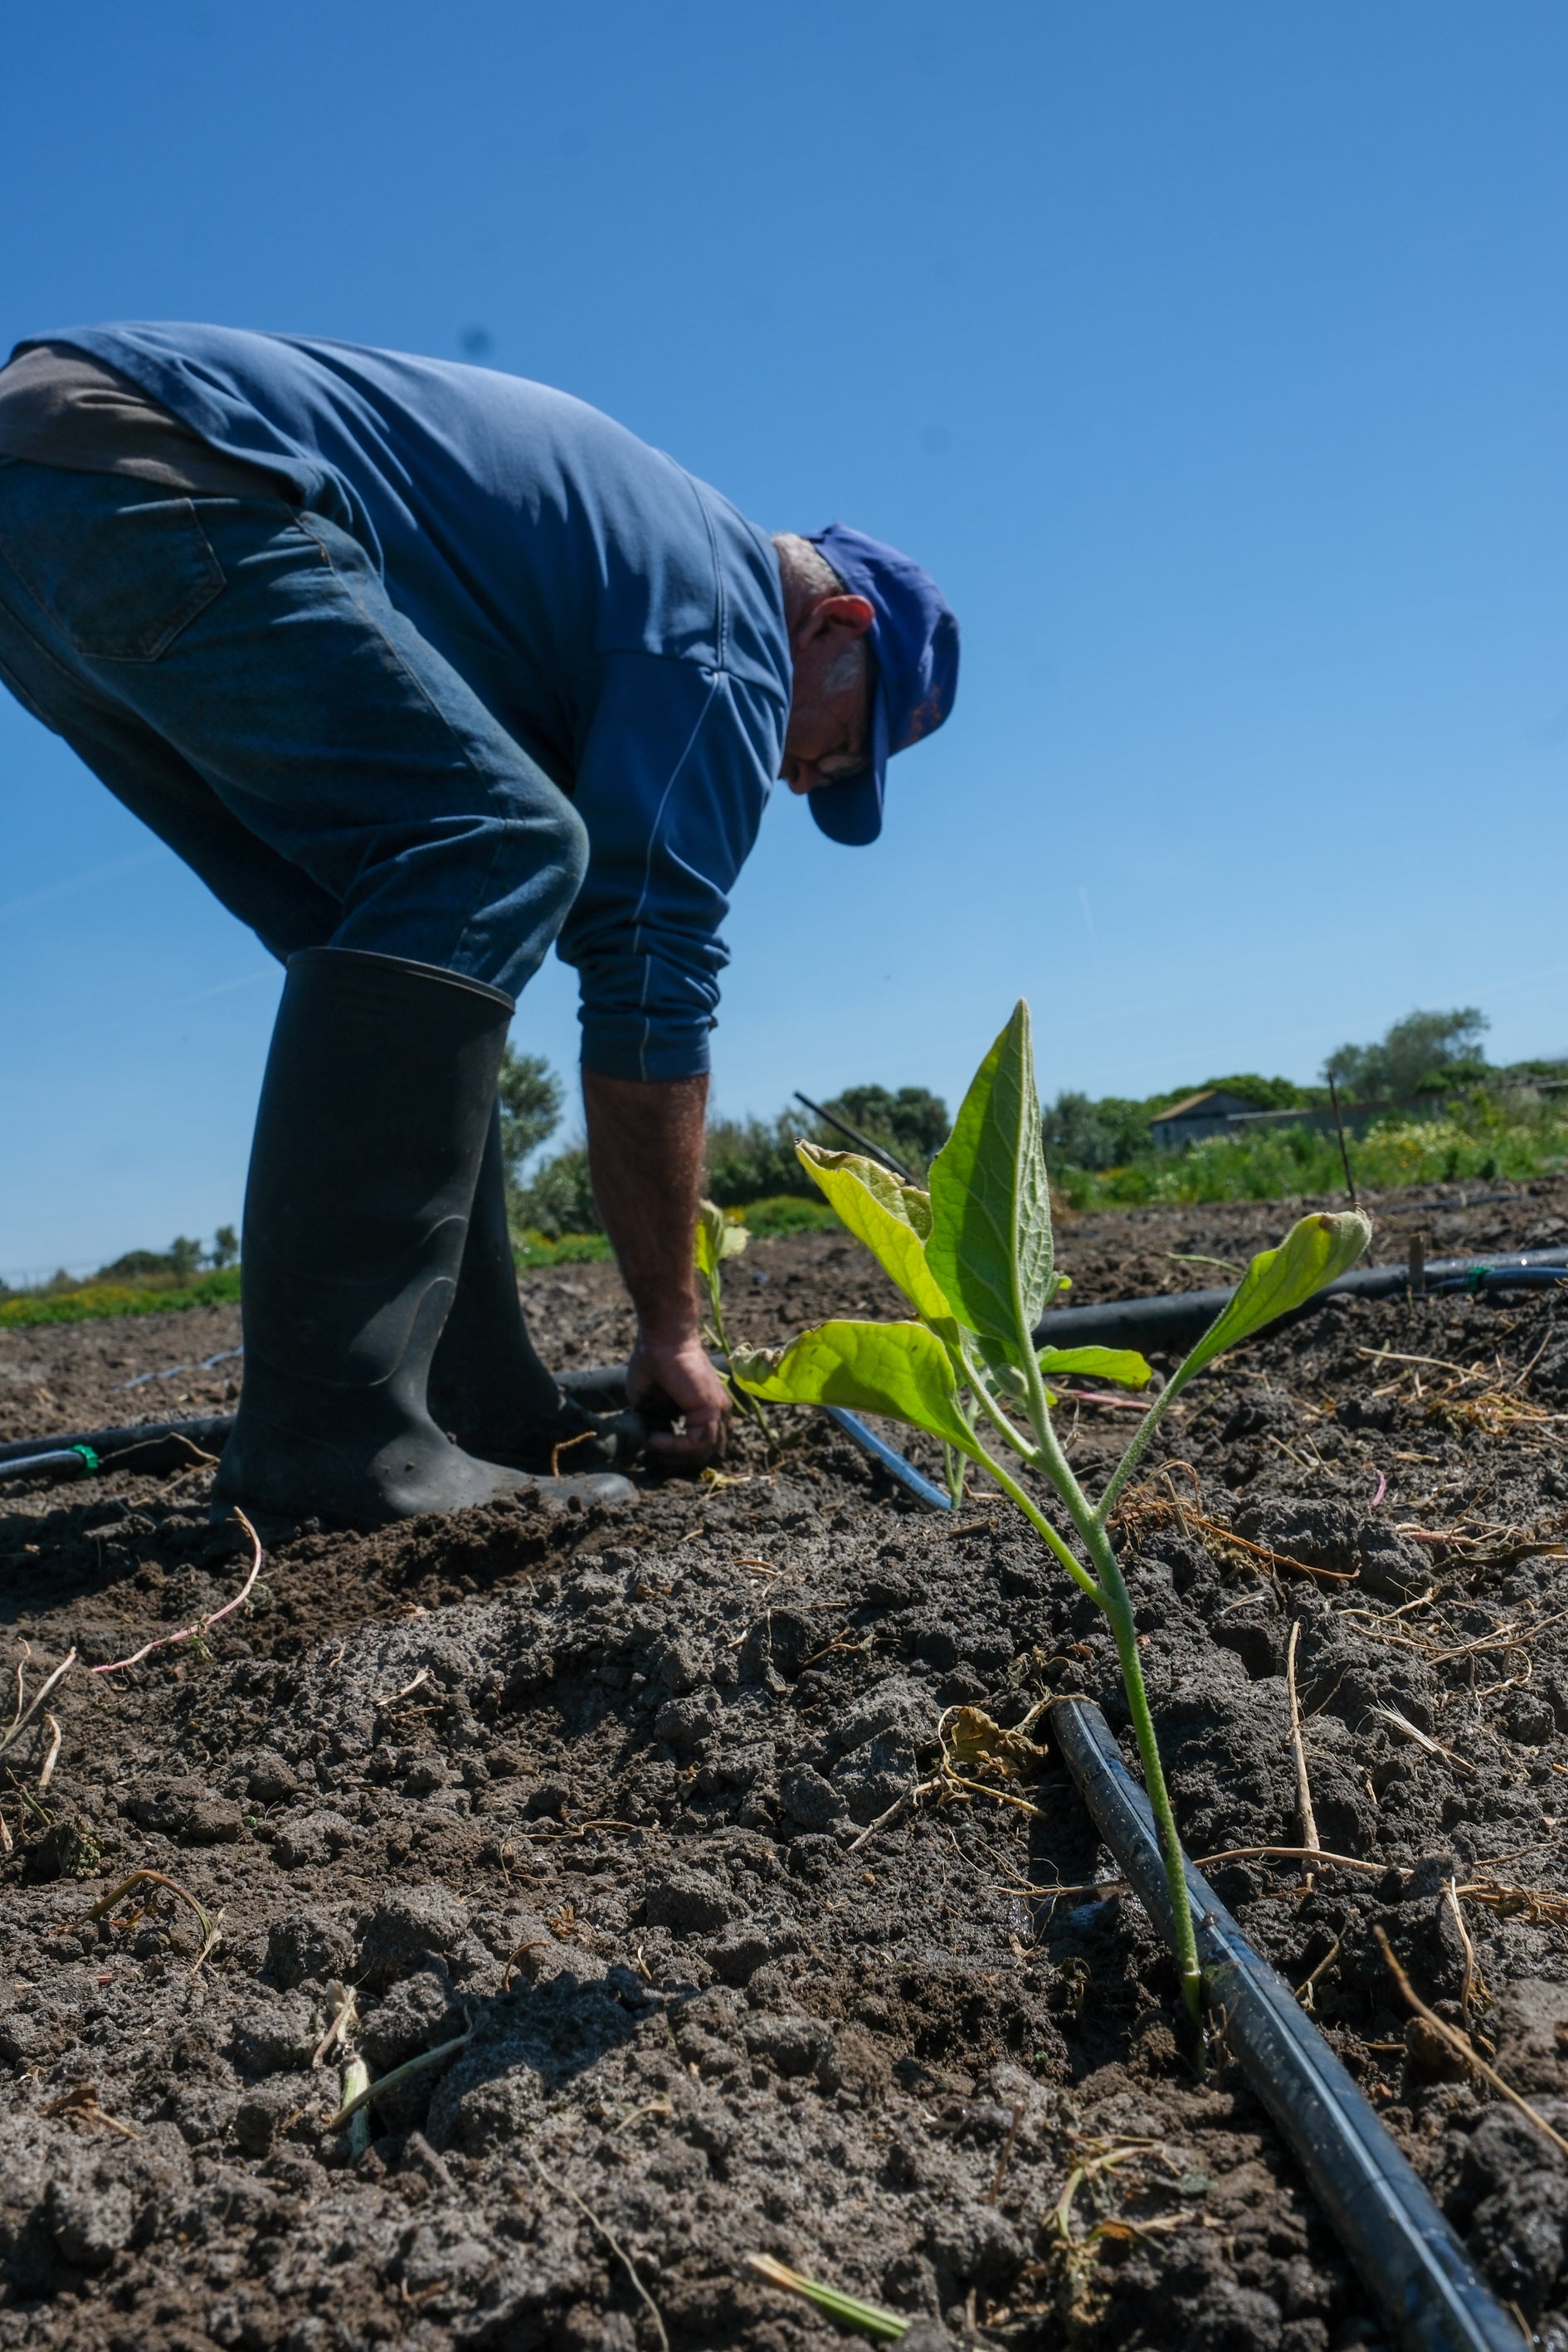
[{"x": 1210, "y": 357}]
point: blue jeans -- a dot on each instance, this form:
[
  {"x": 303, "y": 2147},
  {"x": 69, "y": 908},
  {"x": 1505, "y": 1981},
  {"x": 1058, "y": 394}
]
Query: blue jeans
[{"x": 233, "y": 670}]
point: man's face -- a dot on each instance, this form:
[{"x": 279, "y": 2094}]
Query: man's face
[{"x": 828, "y": 736}]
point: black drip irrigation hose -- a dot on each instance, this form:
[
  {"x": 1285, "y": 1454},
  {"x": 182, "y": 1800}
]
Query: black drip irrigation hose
[
  {"x": 892, "y": 1461},
  {"x": 77, "y": 1461},
  {"x": 172, "y": 1372},
  {"x": 150, "y": 1445},
  {"x": 161, "y": 1445},
  {"x": 1409, "y": 2259},
  {"x": 604, "y": 1389},
  {"x": 1174, "y": 1321},
  {"x": 1170, "y": 1323}
]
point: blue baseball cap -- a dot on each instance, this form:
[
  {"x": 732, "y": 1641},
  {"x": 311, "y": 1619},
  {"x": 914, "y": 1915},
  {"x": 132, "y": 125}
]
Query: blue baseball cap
[{"x": 914, "y": 642}]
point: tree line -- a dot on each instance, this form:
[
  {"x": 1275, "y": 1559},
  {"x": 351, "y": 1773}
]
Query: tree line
[{"x": 753, "y": 1159}]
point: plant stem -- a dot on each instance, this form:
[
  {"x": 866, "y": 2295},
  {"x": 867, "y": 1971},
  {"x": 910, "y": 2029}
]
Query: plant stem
[
  {"x": 969, "y": 1371},
  {"x": 716, "y": 1309},
  {"x": 1118, "y": 1607},
  {"x": 1140, "y": 1436},
  {"x": 356, "y": 2090},
  {"x": 1117, "y": 1602}
]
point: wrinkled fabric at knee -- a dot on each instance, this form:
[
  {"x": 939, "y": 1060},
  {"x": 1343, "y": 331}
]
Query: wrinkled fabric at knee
[{"x": 529, "y": 897}]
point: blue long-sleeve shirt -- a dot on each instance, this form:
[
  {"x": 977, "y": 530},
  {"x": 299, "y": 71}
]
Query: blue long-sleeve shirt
[{"x": 618, "y": 617}]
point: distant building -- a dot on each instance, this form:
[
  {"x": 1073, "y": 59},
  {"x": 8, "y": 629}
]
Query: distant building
[
  {"x": 1216, "y": 1112},
  {"x": 1196, "y": 1119}
]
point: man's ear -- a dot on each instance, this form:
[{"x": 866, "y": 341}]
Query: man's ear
[{"x": 849, "y": 616}]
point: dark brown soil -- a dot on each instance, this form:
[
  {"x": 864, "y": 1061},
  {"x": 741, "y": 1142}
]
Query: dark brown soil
[{"x": 587, "y": 1788}]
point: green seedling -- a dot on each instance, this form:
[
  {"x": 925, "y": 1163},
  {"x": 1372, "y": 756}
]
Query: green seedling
[
  {"x": 359, "y": 2091},
  {"x": 975, "y": 1259},
  {"x": 718, "y": 1239},
  {"x": 356, "y": 2107},
  {"x": 868, "y": 2318}
]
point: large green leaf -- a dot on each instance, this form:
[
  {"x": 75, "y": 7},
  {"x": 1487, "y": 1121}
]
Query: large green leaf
[
  {"x": 1317, "y": 1249},
  {"x": 1122, "y": 1365},
  {"x": 990, "y": 1246},
  {"x": 905, "y": 1201},
  {"x": 717, "y": 1239},
  {"x": 897, "y": 1369},
  {"x": 891, "y": 1218}
]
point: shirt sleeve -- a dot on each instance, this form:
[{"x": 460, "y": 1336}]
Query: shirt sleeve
[{"x": 674, "y": 779}]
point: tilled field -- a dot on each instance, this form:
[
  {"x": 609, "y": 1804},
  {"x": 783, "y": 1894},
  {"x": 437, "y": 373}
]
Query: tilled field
[{"x": 589, "y": 1793}]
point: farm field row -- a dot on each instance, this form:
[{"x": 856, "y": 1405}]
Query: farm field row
[{"x": 589, "y": 1794}]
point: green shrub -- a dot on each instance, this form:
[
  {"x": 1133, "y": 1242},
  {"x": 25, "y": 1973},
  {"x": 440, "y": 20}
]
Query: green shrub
[
  {"x": 530, "y": 1100},
  {"x": 753, "y": 1159},
  {"x": 95, "y": 1299},
  {"x": 784, "y": 1215},
  {"x": 137, "y": 1266},
  {"x": 1423, "y": 1054},
  {"x": 1081, "y": 1134},
  {"x": 570, "y": 1249},
  {"x": 1265, "y": 1094},
  {"x": 557, "y": 1200}
]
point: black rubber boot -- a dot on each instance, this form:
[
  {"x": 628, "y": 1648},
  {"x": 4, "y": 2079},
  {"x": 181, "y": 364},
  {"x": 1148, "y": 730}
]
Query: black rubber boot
[
  {"x": 489, "y": 1391},
  {"x": 372, "y": 1123}
]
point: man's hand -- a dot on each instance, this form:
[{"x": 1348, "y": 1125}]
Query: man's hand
[
  {"x": 644, "y": 1151},
  {"x": 676, "y": 1377}
]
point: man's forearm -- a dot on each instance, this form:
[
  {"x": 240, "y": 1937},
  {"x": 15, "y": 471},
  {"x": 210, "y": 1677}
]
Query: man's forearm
[
  {"x": 646, "y": 1156},
  {"x": 645, "y": 1150}
]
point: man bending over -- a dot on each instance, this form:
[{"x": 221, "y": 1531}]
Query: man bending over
[{"x": 422, "y": 668}]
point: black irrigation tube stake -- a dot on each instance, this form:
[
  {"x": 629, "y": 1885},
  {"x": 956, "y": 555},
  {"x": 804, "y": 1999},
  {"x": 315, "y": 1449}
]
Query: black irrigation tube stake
[
  {"x": 1408, "y": 2258},
  {"x": 876, "y": 1150}
]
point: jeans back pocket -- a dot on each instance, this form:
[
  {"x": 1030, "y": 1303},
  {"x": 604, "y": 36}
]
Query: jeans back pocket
[{"x": 119, "y": 566}]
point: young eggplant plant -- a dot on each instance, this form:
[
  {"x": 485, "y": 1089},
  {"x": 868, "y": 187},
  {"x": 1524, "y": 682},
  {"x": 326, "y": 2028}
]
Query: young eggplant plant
[
  {"x": 975, "y": 1259},
  {"x": 716, "y": 1240}
]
